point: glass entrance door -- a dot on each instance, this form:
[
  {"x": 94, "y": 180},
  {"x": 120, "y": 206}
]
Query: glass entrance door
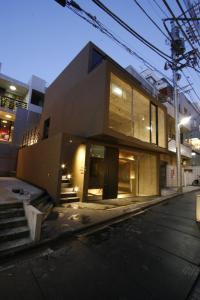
[{"x": 127, "y": 176}]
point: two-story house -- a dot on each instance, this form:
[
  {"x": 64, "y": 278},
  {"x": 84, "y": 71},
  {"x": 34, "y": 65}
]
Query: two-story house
[{"x": 100, "y": 130}]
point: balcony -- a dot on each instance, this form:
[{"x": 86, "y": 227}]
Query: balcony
[
  {"x": 185, "y": 150},
  {"x": 11, "y": 104}
]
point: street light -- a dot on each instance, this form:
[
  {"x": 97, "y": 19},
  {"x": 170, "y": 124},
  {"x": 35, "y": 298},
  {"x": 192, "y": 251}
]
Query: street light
[{"x": 184, "y": 121}]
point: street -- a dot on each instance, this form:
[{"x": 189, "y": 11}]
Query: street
[{"x": 154, "y": 255}]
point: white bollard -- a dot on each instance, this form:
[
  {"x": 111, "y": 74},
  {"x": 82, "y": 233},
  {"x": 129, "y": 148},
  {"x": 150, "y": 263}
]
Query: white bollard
[{"x": 198, "y": 208}]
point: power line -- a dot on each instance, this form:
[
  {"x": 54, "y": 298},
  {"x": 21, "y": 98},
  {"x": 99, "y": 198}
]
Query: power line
[
  {"x": 177, "y": 22},
  {"x": 92, "y": 20},
  {"x": 162, "y": 10},
  {"x": 150, "y": 18},
  {"x": 132, "y": 31},
  {"x": 188, "y": 21}
]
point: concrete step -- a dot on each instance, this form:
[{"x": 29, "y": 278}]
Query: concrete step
[
  {"x": 67, "y": 189},
  {"x": 9, "y": 205},
  {"x": 66, "y": 184},
  {"x": 12, "y": 222},
  {"x": 68, "y": 194},
  {"x": 12, "y": 246},
  {"x": 11, "y": 213},
  {"x": 69, "y": 200},
  {"x": 14, "y": 233}
]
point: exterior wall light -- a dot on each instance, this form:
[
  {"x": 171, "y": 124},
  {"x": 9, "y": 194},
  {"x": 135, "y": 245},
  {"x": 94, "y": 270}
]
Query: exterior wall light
[
  {"x": 12, "y": 88},
  {"x": 76, "y": 189},
  {"x": 4, "y": 121},
  {"x": 63, "y": 166},
  {"x": 8, "y": 116},
  {"x": 193, "y": 153}
]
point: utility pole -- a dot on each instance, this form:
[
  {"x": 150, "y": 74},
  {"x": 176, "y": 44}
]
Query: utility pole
[{"x": 177, "y": 48}]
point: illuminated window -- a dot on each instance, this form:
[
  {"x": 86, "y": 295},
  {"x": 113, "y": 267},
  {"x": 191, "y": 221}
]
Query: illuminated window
[
  {"x": 161, "y": 128},
  {"x": 120, "y": 109},
  {"x": 141, "y": 108},
  {"x": 153, "y": 124}
]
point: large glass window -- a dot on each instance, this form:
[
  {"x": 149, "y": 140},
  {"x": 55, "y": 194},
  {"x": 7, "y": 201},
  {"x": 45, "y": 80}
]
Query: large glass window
[
  {"x": 153, "y": 124},
  {"x": 132, "y": 114},
  {"x": 161, "y": 128},
  {"x": 120, "y": 110},
  {"x": 141, "y": 108}
]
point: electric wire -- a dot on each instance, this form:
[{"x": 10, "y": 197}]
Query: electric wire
[
  {"x": 177, "y": 22},
  {"x": 162, "y": 10},
  {"x": 132, "y": 31},
  {"x": 150, "y": 18},
  {"x": 98, "y": 25},
  {"x": 188, "y": 21}
]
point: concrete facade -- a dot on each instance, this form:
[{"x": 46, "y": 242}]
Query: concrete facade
[{"x": 76, "y": 120}]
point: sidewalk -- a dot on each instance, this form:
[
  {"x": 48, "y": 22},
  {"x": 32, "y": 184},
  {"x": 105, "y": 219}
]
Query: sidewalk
[{"x": 75, "y": 217}]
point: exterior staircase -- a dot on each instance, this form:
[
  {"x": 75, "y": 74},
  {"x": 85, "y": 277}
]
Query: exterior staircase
[
  {"x": 68, "y": 193},
  {"x": 14, "y": 231}
]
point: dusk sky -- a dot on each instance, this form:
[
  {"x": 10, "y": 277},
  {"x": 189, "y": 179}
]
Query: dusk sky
[{"x": 41, "y": 37}]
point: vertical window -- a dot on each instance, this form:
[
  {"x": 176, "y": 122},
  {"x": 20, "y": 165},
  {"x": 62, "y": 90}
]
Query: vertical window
[
  {"x": 46, "y": 128},
  {"x": 161, "y": 128},
  {"x": 141, "y": 108},
  {"x": 96, "y": 59},
  {"x": 153, "y": 124},
  {"x": 120, "y": 109},
  {"x": 37, "y": 98}
]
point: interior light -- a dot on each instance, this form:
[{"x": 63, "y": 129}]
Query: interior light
[
  {"x": 8, "y": 116},
  {"x": 12, "y": 88},
  {"x": 69, "y": 176},
  {"x": 148, "y": 127},
  {"x": 63, "y": 166},
  {"x": 116, "y": 90},
  {"x": 193, "y": 153},
  {"x": 70, "y": 141},
  {"x": 4, "y": 121}
]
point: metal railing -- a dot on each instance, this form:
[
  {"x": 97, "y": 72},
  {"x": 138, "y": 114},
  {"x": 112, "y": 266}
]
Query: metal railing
[
  {"x": 11, "y": 104},
  {"x": 31, "y": 137}
]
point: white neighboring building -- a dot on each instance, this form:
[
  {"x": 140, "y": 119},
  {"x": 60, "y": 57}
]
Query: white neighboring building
[{"x": 20, "y": 109}]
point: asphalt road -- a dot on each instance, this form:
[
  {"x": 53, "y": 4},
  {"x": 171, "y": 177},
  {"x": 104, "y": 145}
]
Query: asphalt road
[{"x": 154, "y": 255}]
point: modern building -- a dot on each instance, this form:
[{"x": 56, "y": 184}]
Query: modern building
[
  {"x": 101, "y": 133},
  {"x": 20, "y": 109},
  {"x": 190, "y": 133}
]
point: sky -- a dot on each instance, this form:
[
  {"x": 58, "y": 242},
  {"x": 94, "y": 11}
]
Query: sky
[{"x": 40, "y": 37}]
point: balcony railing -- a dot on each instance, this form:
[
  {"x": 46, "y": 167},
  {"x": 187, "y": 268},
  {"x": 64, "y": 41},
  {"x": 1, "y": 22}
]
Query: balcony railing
[
  {"x": 185, "y": 150},
  {"x": 11, "y": 104}
]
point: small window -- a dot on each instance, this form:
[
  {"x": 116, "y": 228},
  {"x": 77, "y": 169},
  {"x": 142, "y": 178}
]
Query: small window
[
  {"x": 96, "y": 59},
  {"x": 37, "y": 98},
  {"x": 46, "y": 128}
]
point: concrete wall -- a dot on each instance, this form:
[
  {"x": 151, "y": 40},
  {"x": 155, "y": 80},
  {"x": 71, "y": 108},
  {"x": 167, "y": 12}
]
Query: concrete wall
[
  {"x": 40, "y": 164},
  {"x": 8, "y": 159},
  {"x": 77, "y": 107},
  {"x": 25, "y": 120}
]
